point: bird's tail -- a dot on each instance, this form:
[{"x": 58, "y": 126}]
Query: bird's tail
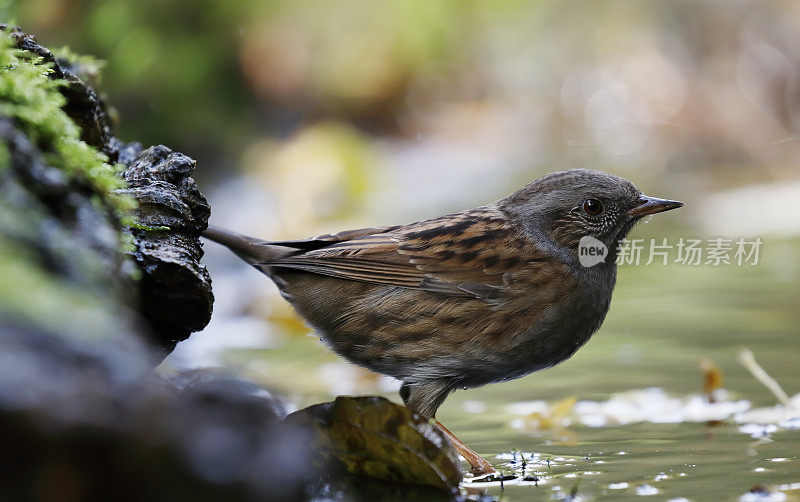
[{"x": 250, "y": 249}]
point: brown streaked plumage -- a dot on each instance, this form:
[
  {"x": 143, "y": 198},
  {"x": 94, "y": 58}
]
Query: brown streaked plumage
[{"x": 465, "y": 299}]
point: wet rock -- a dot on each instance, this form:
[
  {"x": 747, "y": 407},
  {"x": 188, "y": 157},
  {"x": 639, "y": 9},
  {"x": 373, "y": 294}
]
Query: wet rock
[
  {"x": 60, "y": 263},
  {"x": 87, "y": 423},
  {"x": 373, "y": 437},
  {"x": 84, "y": 106},
  {"x": 173, "y": 296},
  {"x": 232, "y": 432},
  {"x": 176, "y": 297}
]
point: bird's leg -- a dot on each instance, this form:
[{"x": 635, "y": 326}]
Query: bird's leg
[
  {"x": 425, "y": 399},
  {"x": 480, "y": 465}
]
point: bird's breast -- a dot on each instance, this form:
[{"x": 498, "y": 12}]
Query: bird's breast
[{"x": 551, "y": 322}]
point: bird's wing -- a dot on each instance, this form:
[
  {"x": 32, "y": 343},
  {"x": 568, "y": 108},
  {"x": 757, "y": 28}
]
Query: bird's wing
[
  {"x": 325, "y": 240},
  {"x": 470, "y": 254}
]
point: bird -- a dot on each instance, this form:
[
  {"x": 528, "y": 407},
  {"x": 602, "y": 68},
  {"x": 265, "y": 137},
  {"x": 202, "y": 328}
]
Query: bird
[{"x": 466, "y": 299}]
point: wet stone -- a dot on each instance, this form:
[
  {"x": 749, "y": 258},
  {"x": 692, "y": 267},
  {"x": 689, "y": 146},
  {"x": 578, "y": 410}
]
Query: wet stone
[
  {"x": 371, "y": 436},
  {"x": 175, "y": 288}
]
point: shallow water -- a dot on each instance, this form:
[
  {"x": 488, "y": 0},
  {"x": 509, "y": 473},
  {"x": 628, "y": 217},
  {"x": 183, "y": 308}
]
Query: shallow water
[{"x": 663, "y": 321}]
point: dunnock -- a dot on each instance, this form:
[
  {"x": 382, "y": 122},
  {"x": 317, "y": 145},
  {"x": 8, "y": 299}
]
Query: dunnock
[{"x": 466, "y": 299}]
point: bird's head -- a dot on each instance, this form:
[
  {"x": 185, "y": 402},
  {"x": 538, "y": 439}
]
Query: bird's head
[{"x": 567, "y": 206}]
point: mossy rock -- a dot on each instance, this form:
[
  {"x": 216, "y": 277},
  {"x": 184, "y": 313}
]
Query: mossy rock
[
  {"x": 373, "y": 437},
  {"x": 74, "y": 220}
]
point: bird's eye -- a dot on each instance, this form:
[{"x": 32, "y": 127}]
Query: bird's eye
[{"x": 593, "y": 207}]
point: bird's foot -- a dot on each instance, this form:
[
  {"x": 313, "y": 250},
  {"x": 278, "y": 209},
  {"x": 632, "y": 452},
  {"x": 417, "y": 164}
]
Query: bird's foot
[{"x": 480, "y": 466}]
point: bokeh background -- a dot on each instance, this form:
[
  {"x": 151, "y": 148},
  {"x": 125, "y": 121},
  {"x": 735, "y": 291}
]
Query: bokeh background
[{"x": 307, "y": 117}]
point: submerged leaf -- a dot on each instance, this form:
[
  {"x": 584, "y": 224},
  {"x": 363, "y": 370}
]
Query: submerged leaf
[
  {"x": 371, "y": 436},
  {"x": 551, "y": 418}
]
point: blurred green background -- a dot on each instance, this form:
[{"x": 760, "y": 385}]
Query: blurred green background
[
  {"x": 678, "y": 86},
  {"x": 309, "y": 116},
  {"x": 441, "y": 105}
]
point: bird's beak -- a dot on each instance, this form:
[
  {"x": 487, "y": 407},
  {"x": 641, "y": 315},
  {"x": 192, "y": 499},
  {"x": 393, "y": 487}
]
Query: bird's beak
[{"x": 650, "y": 205}]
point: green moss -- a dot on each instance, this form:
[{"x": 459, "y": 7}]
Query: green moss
[
  {"x": 5, "y": 156},
  {"x": 32, "y": 99},
  {"x": 87, "y": 67},
  {"x": 148, "y": 228}
]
